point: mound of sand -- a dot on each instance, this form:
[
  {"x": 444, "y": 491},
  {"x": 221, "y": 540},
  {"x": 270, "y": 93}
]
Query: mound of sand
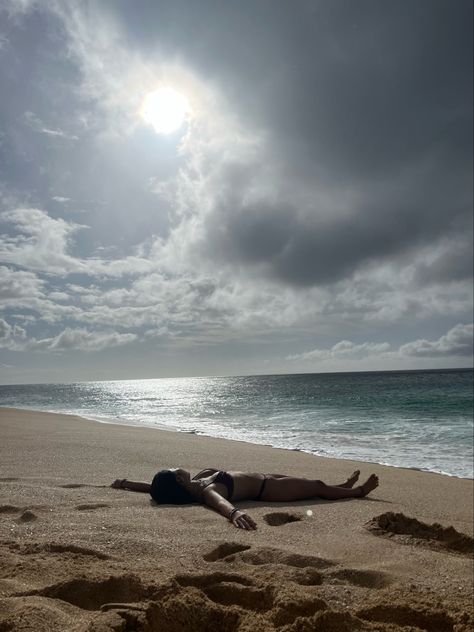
[{"x": 434, "y": 535}]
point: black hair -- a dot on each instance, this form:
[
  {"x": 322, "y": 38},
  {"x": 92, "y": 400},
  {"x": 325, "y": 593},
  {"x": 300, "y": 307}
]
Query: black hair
[{"x": 165, "y": 489}]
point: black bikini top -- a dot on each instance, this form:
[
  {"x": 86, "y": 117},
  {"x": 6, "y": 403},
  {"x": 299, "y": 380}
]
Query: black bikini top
[{"x": 222, "y": 477}]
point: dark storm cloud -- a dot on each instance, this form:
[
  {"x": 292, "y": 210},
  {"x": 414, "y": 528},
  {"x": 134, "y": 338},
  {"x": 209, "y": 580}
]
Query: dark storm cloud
[
  {"x": 322, "y": 246},
  {"x": 371, "y": 95}
]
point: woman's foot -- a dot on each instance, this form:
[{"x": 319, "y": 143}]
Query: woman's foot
[
  {"x": 352, "y": 480},
  {"x": 370, "y": 484}
]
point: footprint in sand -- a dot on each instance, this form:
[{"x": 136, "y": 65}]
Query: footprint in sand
[
  {"x": 237, "y": 590},
  {"x": 403, "y": 615},
  {"x": 277, "y": 519},
  {"x": 91, "y": 594},
  {"x": 10, "y": 509},
  {"x": 73, "y": 486},
  {"x": 27, "y": 516},
  {"x": 300, "y": 569},
  {"x": 224, "y": 550},
  {"x": 230, "y": 552},
  {"x": 91, "y": 506},
  {"x": 210, "y": 579},
  {"x": 431, "y": 535},
  {"x": 362, "y": 578},
  {"x": 304, "y": 570},
  {"x": 53, "y": 547},
  {"x": 231, "y": 590}
]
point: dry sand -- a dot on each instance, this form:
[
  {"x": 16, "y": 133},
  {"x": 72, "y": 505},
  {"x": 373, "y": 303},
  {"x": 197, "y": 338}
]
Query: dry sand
[{"x": 78, "y": 555}]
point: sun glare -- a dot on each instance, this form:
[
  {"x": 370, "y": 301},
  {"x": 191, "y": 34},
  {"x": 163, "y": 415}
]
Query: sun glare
[{"x": 165, "y": 110}]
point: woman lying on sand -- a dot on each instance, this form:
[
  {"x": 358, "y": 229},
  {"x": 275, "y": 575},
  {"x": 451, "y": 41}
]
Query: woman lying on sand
[{"x": 217, "y": 489}]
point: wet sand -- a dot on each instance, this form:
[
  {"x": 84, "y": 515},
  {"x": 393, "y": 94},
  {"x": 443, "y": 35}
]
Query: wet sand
[{"x": 78, "y": 555}]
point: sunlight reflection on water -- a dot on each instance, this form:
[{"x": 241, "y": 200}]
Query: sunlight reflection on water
[{"x": 411, "y": 419}]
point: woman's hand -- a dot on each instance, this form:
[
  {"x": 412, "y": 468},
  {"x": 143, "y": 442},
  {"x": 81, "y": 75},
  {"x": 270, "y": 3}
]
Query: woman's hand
[{"x": 241, "y": 520}]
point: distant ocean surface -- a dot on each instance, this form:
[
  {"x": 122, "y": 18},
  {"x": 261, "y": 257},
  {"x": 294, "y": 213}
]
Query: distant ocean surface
[{"x": 414, "y": 419}]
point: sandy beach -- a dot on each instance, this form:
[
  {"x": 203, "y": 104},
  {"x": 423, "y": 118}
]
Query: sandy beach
[{"x": 78, "y": 555}]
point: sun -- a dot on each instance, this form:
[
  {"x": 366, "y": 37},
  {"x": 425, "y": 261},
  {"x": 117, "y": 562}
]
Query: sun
[{"x": 165, "y": 110}]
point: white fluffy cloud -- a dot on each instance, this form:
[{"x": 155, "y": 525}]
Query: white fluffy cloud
[
  {"x": 458, "y": 341},
  {"x": 18, "y": 286},
  {"x": 14, "y": 338},
  {"x": 11, "y": 337},
  {"x": 43, "y": 243},
  {"x": 82, "y": 340},
  {"x": 345, "y": 349}
]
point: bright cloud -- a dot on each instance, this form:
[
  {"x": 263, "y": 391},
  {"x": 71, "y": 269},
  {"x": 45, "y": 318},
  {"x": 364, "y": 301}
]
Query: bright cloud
[
  {"x": 11, "y": 337},
  {"x": 15, "y": 338},
  {"x": 81, "y": 340},
  {"x": 18, "y": 286},
  {"x": 43, "y": 245},
  {"x": 458, "y": 341},
  {"x": 344, "y": 349}
]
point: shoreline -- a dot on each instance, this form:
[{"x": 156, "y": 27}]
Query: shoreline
[
  {"x": 118, "y": 422},
  {"x": 78, "y": 555}
]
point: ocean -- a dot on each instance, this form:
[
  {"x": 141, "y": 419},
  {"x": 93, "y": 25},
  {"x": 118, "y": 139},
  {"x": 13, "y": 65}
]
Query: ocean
[{"x": 414, "y": 419}]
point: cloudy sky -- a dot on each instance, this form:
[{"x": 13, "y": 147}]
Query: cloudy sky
[{"x": 200, "y": 187}]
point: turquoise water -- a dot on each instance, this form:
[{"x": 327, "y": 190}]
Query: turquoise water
[{"x": 415, "y": 419}]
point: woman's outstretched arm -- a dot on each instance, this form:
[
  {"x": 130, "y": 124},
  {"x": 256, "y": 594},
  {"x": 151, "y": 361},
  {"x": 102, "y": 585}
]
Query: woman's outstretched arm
[
  {"x": 239, "y": 519},
  {"x": 134, "y": 486}
]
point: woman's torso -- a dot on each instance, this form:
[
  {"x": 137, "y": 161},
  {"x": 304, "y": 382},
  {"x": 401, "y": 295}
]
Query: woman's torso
[{"x": 246, "y": 485}]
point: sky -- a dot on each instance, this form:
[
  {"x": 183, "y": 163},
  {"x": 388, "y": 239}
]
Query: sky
[{"x": 227, "y": 188}]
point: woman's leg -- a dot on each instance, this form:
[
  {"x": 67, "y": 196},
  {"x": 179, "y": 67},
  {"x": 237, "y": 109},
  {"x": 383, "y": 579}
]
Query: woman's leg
[
  {"x": 350, "y": 482},
  {"x": 288, "y": 489}
]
